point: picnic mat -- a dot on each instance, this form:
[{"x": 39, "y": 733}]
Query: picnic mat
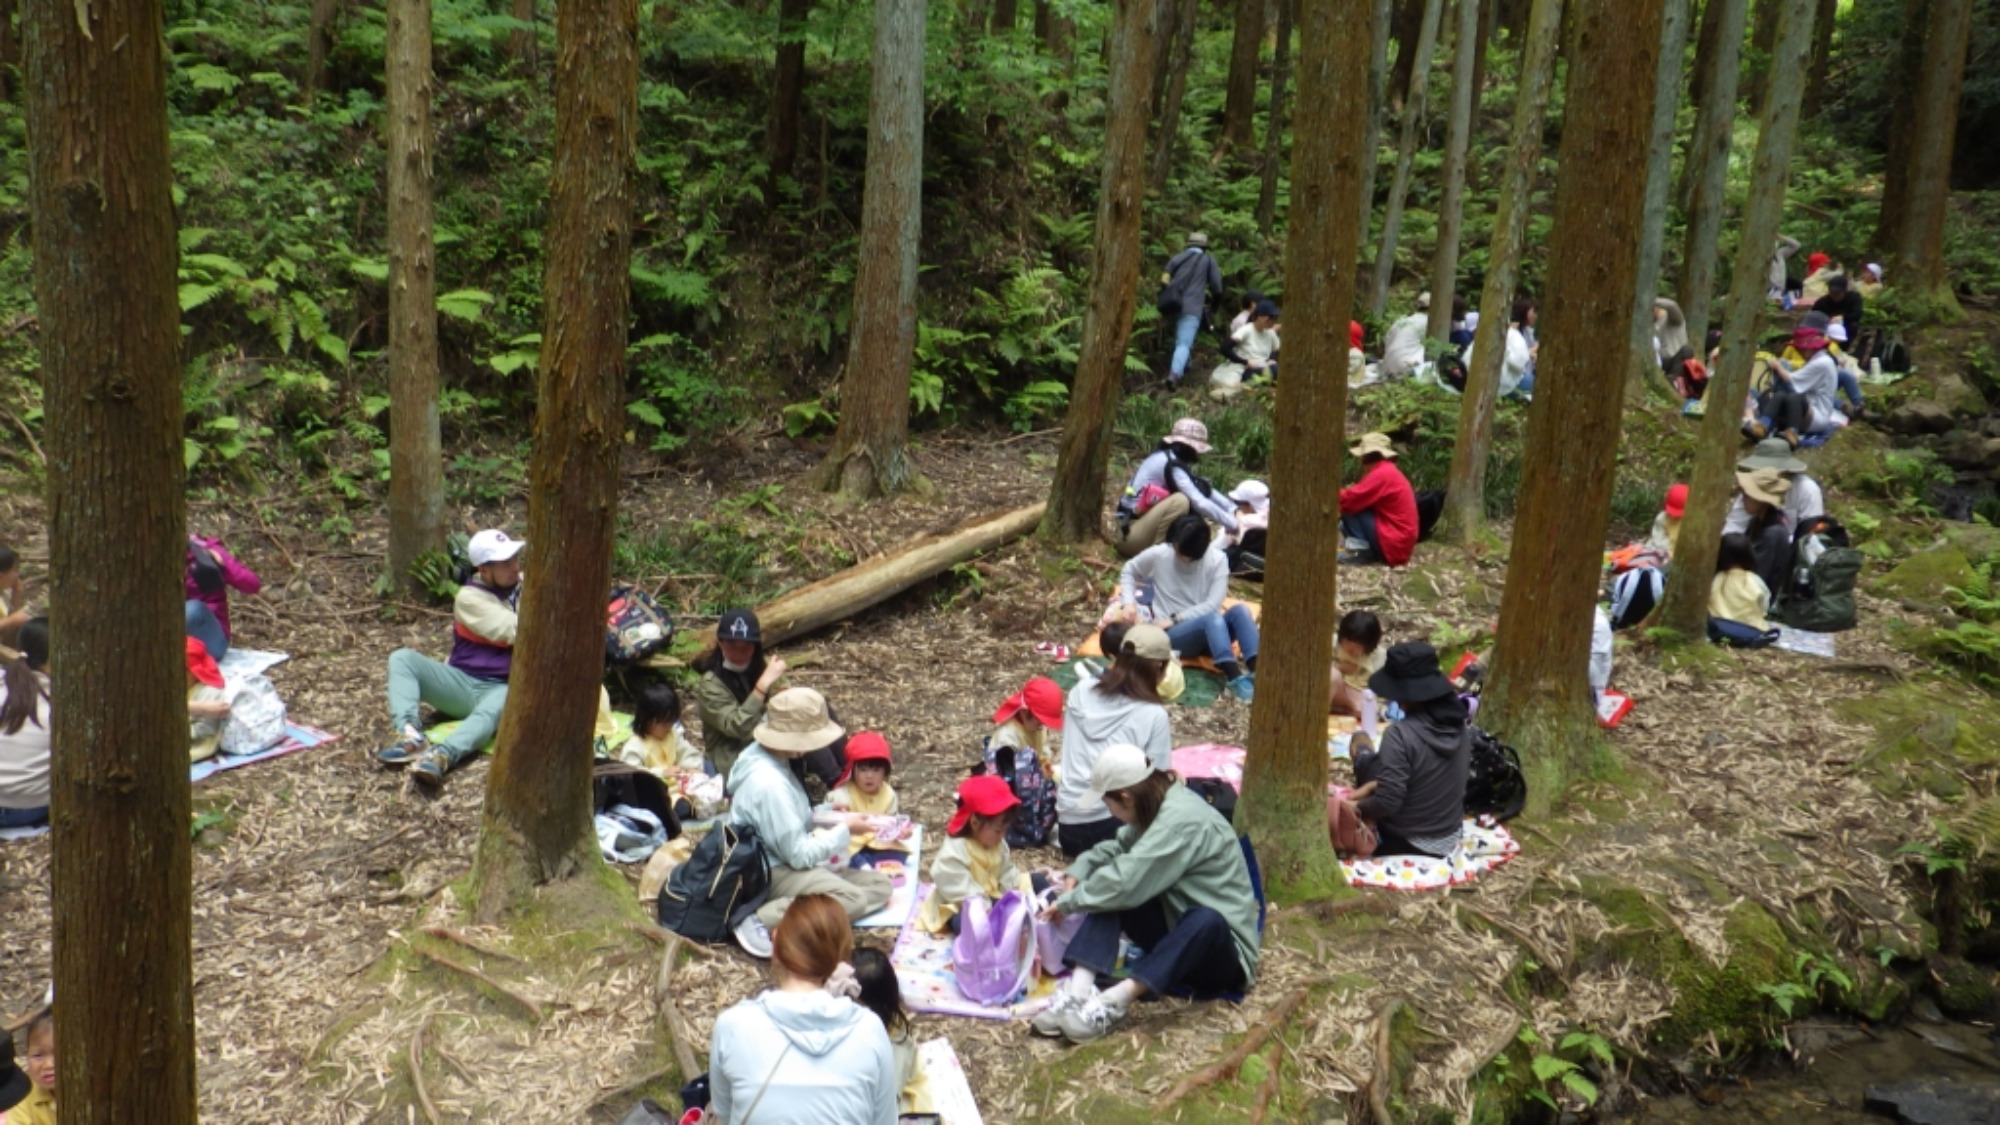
[
  {"x": 1798, "y": 640},
  {"x": 297, "y": 737},
  {"x": 1202, "y": 690},
  {"x": 951, "y": 1091},
  {"x": 923, "y": 968},
  {"x": 903, "y": 900}
]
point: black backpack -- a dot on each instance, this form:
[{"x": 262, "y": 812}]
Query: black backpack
[
  {"x": 1895, "y": 355},
  {"x": 203, "y": 567},
  {"x": 1494, "y": 783},
  {"x": 1021, "y": 769},
  {"x": 724, "y": 881},
  {"x": 1220, "y": 795},
  {"x": 615, "y": 783},
  {"x": 627, "y": 615},
  {"x": 1451, "y": 371},
  {"x": 1430, "y": 509}
]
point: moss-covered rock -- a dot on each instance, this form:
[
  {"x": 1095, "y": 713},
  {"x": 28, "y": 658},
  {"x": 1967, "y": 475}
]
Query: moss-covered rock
[
  {"x": 1964, "y": 990},
  {"x": 1927, "y": 735},
  {"x": 1878, "y": 995},
  {"x": 1925, "y": 576}
]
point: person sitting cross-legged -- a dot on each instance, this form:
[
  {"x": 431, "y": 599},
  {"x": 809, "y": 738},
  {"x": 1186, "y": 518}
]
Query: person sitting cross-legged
[
  {"x": 472, "y": 685},
  {"x": 1187, "y": 579},
  {"x": 1378, "y": 513}
]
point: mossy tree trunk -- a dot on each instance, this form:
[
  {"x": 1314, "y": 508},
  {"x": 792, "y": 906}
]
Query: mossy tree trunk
[
  {"x": 1451, "y": 210},
  {"x": 1912, "y": 238},
  {"x": 1713, "y": 480},
  {"x": 870, "y": 455},
  {"x": 1076, "y": 496},
  {"x": 1274, "y": 131},
  {"x": 100, "y": 195},
  {"x": 781, "y": 136},
  {"x": 536, "y": 827},
  {"x": 1763, "y": 38},
  {"x": 1239, "y": 93},
  {"x": 1284, "y": 776},
  {"x": 1721, "y": 68},
  {"x": 1540, "y": 694},
  {"x": 1406, "y": 151},
  {"x": 1178, "y": 64},
  {"x": 319, "y": 44},
  {"x": 416, "y": 450},
  {"x": 1647, "y": 375},
  {"x": 1378, "y": 89},
  {"x": 1465, "y": 494},
  {"x": 1909, "y": 58}
]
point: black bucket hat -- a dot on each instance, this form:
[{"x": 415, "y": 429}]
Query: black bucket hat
[
  {"x": 1410, "y": 674},
  {"x": 739, "y": 625},
  {"x": 14, "y": 1084}
]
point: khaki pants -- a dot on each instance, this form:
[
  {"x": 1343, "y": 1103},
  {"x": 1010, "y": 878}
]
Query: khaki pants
[
  {"x": 1151, "y": 528},
  {"x": 860, "y": 893}
]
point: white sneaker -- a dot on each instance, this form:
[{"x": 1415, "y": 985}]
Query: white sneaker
[
  {"x": 754, "y": 937},
  {"x": 1048, "y": 1021},
  {"x": 1093, "y": 1019}
]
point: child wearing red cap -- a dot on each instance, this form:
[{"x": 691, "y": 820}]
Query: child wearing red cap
[
  {"x": 208, "y": 705},
  {"x": 1018, "y": 753},
  {"x": 863, "y": 787},
  {"x": 1667, "y": 525},
  {"x": 976, "y": 859}
]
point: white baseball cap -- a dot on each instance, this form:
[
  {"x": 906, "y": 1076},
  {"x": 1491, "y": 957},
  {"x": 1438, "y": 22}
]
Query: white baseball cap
[
  {"x": 1121, "y": 766},
  {"x": 492, "y": 546}
]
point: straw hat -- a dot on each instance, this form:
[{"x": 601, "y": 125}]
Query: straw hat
[{"x": 1373, "y": 443}]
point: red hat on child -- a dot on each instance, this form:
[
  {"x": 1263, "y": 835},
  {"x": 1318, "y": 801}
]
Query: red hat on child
[
  {"x": 1677, "y": 501},
  {"x": 864, "y": 746},
  {"x": 985, "y": 795},
  {"x": 201, "y": 665},
  {"x": 1040, "y": 697},
  {"x": 1816, "y": 260}
]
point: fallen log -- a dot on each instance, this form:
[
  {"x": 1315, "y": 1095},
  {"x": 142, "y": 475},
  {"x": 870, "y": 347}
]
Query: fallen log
[{"x": 870, "y": 583}]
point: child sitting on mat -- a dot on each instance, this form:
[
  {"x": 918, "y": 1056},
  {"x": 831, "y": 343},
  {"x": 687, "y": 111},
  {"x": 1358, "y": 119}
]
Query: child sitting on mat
[
  {"x": 208, "y": 705},
  {"x": 659, "y": 743},
  {"x": 976, "y": 859},
  {"x": 881, "y": 994},
  {"x": 864, "y": 788}
]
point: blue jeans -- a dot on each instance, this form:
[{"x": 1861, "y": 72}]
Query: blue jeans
[
  {"x": 202, "y": 626},
  {"x": 23, "y": 818},
  {"x": 1184, "y": 330},
  {"x": 1850, "y": 385},
  {"x": 1211, "y": 633},
  {"x": 1361, "y": 525},
  {"x": 1196, "y": 954}
]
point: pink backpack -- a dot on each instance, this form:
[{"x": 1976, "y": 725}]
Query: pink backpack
[{"x": 993, "y": 957}]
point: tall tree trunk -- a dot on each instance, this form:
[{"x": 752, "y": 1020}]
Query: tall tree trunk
[
  {"x": 1405, "y": 24},
  {"x": 319, "y": 42},
  {"x": 1371, "y": 147},
  {"x": 1239, "y": 99},
  {"x": 1713, "y": 480},
  {"x": 1168, "y": 18},
  {"x": 1646, "y": 373},
  {"x": 1006, "y": 17},
  {"x": 1465, "y": 494},
  {"x": 1274, "y": 132},
  {"x": 1406, "y": 151},
  {"x": 1822, "y": 58},
  {"x": 100, "y": 197},
  {"x": 1902, "y": 126},
  {"x": 787, "y": 85},
  {"x": 1480, "y": 51},
  {"x": 536, "y": 827},
  {"x": 416, "y": 452},
  {"x": 1540, "y": 694},
  {"x": 1763, "y": 36},
  {"x": 1705, "y": 44},
  {"x": 1076, "y": 495},
  {"x": 869, "y": 455},
  {"x": 1179, "y": 63},
  {"x": 1044, "y": 19},
  {"x": 1916, "y": 248},
  {"x": 1708, "y": 165},
  {"x": 1284, "y": 775},
  {"x": 1451, "y": 210},
  {"x": 523, "y": 46}
]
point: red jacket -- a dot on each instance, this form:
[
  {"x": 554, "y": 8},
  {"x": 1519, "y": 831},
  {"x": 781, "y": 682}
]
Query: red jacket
[{"x": 1384, "y": 490}]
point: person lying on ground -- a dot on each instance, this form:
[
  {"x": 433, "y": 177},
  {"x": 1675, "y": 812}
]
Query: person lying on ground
[
  {"x": 208, "y": 703},
  {"x": 767, "y": 796},
  {"x": 39, "y": 1106},
  {"x": 736, "y": 680},
  {"x": 24, "y": 731},
  {"x": 1378, "y": 513},
  {"x": 1763, "y": 493},
  {"x": 1164, "y": 488},
  {"x": 1188, "y": 579},
  {"x": 1804, "y": 500},
  {"x": 14, "y": 608},
  {"x": 659, "y": 743},
  {"x": 975, "y": 858},
  {"x": 1174, "y": 880},
  {"x": 1842, "y": 301},
  {"x": 882, "y": 994},
  {"x": 1190, "y": 278},
  {"x": 471, "y": 686},
  {"x": 1122, "y": 707},
  {"x": 1357, "y": 655},
  {"x": 1412, "y": 788},
  {"x": 1737, "y": 593},
  {"x": 210, "y": 574},
  {"x": 802, "y": 1052},
  {"x": 1798, "y": 402},
  {"x": 1258, "y": 341},
  {"x": 1403, "y": 348},
  {"x": 1667, "y": 524}
]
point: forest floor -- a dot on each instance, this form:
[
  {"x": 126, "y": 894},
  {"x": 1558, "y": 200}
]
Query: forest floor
[{"x": 1739, "y": 786}]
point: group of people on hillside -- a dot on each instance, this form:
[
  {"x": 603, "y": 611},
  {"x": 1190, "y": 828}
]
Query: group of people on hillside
[{"x": 1191, "y": 289}]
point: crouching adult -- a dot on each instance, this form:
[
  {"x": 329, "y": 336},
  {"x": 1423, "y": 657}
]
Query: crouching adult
[
  {"x": 1413, "y": 788},
  {"x": 768, "y": 797},
  {"x": 1173, "y": 880},
  {"x": 472, "y": 685}
]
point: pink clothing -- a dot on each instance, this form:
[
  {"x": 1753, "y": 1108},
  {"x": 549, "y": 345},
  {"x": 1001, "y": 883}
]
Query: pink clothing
[{"x": 234, "y": 573}]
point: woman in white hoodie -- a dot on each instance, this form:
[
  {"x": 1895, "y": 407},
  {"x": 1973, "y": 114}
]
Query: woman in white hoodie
[
  {"x": 1122, "y": 707},
  {"x": 803, "y": 1052}
]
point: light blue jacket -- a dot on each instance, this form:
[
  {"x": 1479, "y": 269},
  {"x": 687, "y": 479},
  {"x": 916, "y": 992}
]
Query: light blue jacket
[
  {"x": 826, "y": 1059},
  {"x": 766, "y": 796}
]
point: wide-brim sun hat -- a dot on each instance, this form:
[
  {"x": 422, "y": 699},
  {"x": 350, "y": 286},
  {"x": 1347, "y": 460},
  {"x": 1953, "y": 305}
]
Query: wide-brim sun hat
[
  {"x": 1378, "y": 443},
  {"x": 1410, "y": 674},
  {"x": 1772, "y": 453},
  {"x": 1767, "y": 485},
  {"x": 796, "y": 722},
  {"x": 1191, "y": 433},
  {"x": 1121, "y": 766},
  {"x": 1040, "y": 697}
]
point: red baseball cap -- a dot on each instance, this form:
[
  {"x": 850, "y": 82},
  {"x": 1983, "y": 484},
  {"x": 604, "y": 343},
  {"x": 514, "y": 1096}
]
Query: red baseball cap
[
  {"x": 201, "y": 665},
  {"x": 864, "y": 746},
  {"x": 1040, "y": 697},
  {"x": 985, "y": 795},
  {"x": 1677, "y": 501}
]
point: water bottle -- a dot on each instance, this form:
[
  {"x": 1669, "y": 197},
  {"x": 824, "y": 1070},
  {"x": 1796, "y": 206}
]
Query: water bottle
[{"x": 1368, "y": 713}]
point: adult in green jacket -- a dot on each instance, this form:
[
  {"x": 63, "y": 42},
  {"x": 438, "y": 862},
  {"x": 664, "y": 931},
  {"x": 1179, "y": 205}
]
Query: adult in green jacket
[
  {"x": 1173, "y": 880},
  {"x": 736, "y": 679}
]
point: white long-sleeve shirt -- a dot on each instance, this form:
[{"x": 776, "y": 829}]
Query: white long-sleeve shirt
[{"x": 1181, "y": 589}]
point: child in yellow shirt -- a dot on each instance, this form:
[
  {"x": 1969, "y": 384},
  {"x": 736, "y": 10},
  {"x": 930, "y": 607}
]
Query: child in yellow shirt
[
  {"x": 39, "y": 1107},
  {"x": 864, "y": 788},
  {"x": 976, "y": 859},
  {"x": 659, "y": 743}
]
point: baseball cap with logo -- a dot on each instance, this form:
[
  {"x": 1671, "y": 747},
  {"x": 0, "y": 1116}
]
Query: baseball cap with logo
[
  {"x": 739, "y": 625},
  {"x": 492, "y": 546}
]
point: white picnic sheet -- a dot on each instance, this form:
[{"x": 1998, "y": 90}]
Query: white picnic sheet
[{"x": 903, "y": 900}]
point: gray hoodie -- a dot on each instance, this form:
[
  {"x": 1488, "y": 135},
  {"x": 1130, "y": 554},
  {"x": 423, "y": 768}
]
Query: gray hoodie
[
  {"x": 1419, "y": 776},
  {"x": 1093, "y": 720},
  {"x": 825, "y": 1059}
]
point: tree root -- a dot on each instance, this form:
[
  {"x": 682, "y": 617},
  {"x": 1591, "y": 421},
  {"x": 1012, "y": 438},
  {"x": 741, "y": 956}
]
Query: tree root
[
  {"x": 483, "y": 948},
  {"x": 660, "y": 935},
  {"x": 424, "y": 1101},
  {"x": 1267, "y": 1091},
  {"x": 670, "y": 1013},
  {"x": 617, "y": 1092},
  {"x": 1378, "y": 1083},
  {"x": 1226, "y": 1067},
  {"x": 532, "y": 1006}
]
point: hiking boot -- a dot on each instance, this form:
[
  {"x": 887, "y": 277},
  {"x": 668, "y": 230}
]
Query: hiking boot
[
  {"x": 406, "y": 750},
  {"x": 754, "y": 937},
  {"x": 1048, "y": 1021},
  {"x": 430, "y": 771},
  {"x": 1758, "y": 431},
  {"x": 1244, "y": 687},
  {"x": 1791, "y": 438},
  {"x": 1091, "y": 1020}
]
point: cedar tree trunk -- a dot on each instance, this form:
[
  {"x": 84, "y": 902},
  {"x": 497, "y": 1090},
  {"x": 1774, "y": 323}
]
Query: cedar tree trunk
[
  {"x": 1284, "y": 775},
  {"x": 1465, "y": 494},
  {"x": 1540, "y": 694},
  {"x": 1076, "y": 495},
  {"x": 1274, "y": 132},
  {"x": 1763, "y": 35},
  {"x": 1371, "y": 149},
  {"x": 1902, "y": 126},
  {"x": 1239, "y": 98},
  {"x": 869, "y": 457},
  {"x": 100, "y": 197},
  {"x": 1708, "y": 165},
  {"x": 1713, "y": 479},
  {"x": 319, "y": 43},
  {"x": 1646, "y": 373},
  {"x": 1178, "y": 64},
  {"x": 1914, "y": 236},
  {"x": 1822, "y": 58},
  {"x": 536, "y": 828},
  {"x": 1451, "y": 211},
  {"x": 1405, "y": 23},
  {"x": 416, "y": 453},
  {"x": 1406, "y": 151},
  {"x": 787, "y": 84},
  {"x": 523, "y": 45},
  {"x": 1006, "y": 16}
]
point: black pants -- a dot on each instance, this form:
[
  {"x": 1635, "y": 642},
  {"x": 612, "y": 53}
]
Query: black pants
[
  {"x": 1197, "y": 953},
  {"x": 1388, "y": 842},
  {"x": 1786, "y": 408},
  {"x": 1076, "y": 839}
]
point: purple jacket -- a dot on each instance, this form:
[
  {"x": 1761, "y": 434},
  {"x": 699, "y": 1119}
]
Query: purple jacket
[
  {"x": 482, "y": 628},
  {"x": 234, "y": 573}
]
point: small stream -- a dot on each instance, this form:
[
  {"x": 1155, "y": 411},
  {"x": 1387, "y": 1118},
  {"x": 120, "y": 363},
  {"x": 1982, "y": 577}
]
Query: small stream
[{"x": 1958, "y": 1060}]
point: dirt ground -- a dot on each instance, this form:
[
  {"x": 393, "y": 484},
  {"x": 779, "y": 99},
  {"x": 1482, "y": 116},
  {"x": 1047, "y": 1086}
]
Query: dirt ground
[{"x": 321, "y": 862}]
